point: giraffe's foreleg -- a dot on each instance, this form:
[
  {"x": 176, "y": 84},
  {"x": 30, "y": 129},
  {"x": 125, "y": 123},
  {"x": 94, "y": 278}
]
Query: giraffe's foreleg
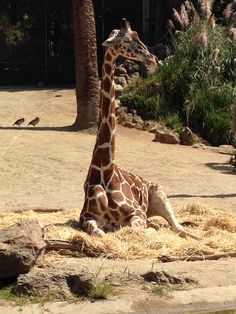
[
  {"x": 159, "y": 205},
  {"x": 91, "y": 227},
  {"x": 139, "y": 220},
  {"x": 92, "y": 215}
]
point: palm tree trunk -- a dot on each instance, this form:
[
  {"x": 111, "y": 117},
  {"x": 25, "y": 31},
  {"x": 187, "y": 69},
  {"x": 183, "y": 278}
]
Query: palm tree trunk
[
  {"x": 233, "y": 128},
  {"x": 87, "y": 83}
]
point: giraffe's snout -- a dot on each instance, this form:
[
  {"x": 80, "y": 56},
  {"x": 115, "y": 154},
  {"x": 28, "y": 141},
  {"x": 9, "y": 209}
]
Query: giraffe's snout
[{"x": 150, "y": 61}]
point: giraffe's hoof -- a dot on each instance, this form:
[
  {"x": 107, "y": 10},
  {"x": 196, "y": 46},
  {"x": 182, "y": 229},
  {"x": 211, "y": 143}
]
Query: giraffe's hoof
[
  {"x": 185, "y": 234},
  {"x": 154, "y": 225},
  {"x": 98, "y": 233},
  {"x": 182, "y": 233}
]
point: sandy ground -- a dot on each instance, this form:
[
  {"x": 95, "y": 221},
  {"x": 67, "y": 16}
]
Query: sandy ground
[{"x": 46, "y": 167}]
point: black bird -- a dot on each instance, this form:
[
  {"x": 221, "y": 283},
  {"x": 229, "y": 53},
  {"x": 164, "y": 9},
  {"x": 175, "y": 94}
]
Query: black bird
[
  {"x": 19, "y": 122},
  {"x": 34, "y": 122}
]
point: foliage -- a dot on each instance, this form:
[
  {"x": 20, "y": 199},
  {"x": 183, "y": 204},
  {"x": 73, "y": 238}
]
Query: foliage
[
  {"x": 161, "y": 291},
  {"x": 142, "y": 95},
  {"x": 173, "y": 122},
  {"x": 210, "y": 113},
  {"x": 101, "y": 290},
  {"x": 8, "y": 293},
  {"x": 196, "y": 83}
]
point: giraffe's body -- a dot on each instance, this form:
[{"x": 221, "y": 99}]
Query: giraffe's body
[{"x": 113, "y": 197}]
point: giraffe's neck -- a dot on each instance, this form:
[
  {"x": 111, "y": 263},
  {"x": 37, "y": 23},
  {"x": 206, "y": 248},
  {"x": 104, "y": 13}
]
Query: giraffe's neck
[{"x": 104, "y": 150}]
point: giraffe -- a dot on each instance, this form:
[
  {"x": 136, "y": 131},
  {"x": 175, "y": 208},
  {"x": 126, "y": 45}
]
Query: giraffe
[{"x": 114, "y": 197}]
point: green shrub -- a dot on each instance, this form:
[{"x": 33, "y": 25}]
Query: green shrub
[
  {"x": 142, "y": 95},
  {"x": 173, "y": 122},
  {"x": 101, "y": 290},
  {"x": 209, "y": 113},
  {"x": 196, "y": 83}
]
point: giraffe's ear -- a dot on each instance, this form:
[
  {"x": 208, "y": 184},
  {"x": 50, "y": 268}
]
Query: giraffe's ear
[
  {"x": 107, "y": 43},
  {"x": 111, "y": 39}
]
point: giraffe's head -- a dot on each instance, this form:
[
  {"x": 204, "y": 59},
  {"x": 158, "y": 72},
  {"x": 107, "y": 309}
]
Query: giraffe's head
[{"x": 126, "y": 43}]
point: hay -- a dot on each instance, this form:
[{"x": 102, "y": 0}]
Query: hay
[{"x": 216, "y": 232}]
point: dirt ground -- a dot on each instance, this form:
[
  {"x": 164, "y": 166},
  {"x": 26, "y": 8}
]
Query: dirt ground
[{"x": 46, "y": 167}]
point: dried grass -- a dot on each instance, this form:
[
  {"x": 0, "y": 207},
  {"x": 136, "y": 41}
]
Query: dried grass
[{"x": 216, "y": 230}]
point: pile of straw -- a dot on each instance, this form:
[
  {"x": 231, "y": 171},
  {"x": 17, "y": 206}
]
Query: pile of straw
[{"x": 216, "y": 232}]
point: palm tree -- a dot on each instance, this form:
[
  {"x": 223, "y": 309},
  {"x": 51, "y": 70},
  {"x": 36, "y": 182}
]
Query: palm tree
[{"x": 87, "y": 83}]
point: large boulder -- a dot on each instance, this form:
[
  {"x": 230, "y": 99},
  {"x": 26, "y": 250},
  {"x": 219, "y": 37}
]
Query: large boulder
[
  {"x": 59, "y": 282},
  {"x": 166, "y": 136},
  {"x": 187, "y": 137},
  {"x": 20, "y": 245}
]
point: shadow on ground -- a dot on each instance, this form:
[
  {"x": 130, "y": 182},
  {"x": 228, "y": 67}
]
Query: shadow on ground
[
  {"x": 68, "y": 128},
  {"x": 225, "y": 168},
  {"x": 201, "y": 196}
]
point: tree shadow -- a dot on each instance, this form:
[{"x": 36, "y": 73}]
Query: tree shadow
[
  {"x": 13, "y": 89},
  {"x": 224, "y": 168},
  {"x": 202, "y": 196},
  {"x": 68, "y": 128}
]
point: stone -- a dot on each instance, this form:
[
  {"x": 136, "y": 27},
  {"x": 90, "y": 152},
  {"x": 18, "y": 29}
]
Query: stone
[
  {"x": 166, "y": 136},
  {"x": 199, "y": 146},
  {"x": 56, "y": 281},
  {"x": 137, "y": 119},
  {"x": 152, "y": 129},
  {"x": 119, "y": 70},
  {"x": 121, "y": 109},
  {"x": 129, "y": 124},
  {"x": 187, "y": 137},
  {"x": 118, "y": 90},
  {"x": 120, "y": 80},
  {"x": 164, "y": 278},
  {"x": 122, "y": 115},
  {"x": 126, "y": 76},
  {"x": 134, "y": 76},
  {"x": 117, "y": 104},
  {"x": 20, "y": 246},
  {"x": 131, "y": 66}
]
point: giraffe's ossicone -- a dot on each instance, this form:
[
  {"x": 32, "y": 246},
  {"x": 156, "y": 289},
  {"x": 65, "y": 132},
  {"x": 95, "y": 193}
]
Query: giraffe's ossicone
[{"x": 113, "y": 197}]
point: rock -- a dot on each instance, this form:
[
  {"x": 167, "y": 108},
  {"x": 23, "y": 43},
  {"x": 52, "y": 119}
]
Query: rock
[
  {"x": 187, "y": 137},
  {"x": 131, "y": 66},
  {"x": 163, "y": 278},
  {"x": 137, "y": 119},
  {"x": 224, "y": 149},
  {"x": 121, "y": 109},
  {"x": 129, "y": 124},
  {"x": 152, "y": 129},
  {"x": 20, "y": 245},
  {"x": 57, "y": 282},
  {"x": 118, "y": 90},
  {"x": 117, "y": 104},
  {"x": 120, "y": 80},
  {"x": 122, "y": 114},
  {"x": 119, "y": 70},
  {"x": 125, "y": 76},
  {"x": 134, "y": 75},
  {"x": 166, "y": 136},
  {"x": 199, "y": 146}
]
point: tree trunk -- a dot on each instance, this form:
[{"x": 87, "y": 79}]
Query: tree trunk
[
  {"x": 87, "y": 83},
  {"x": 233, "y": 128}
]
